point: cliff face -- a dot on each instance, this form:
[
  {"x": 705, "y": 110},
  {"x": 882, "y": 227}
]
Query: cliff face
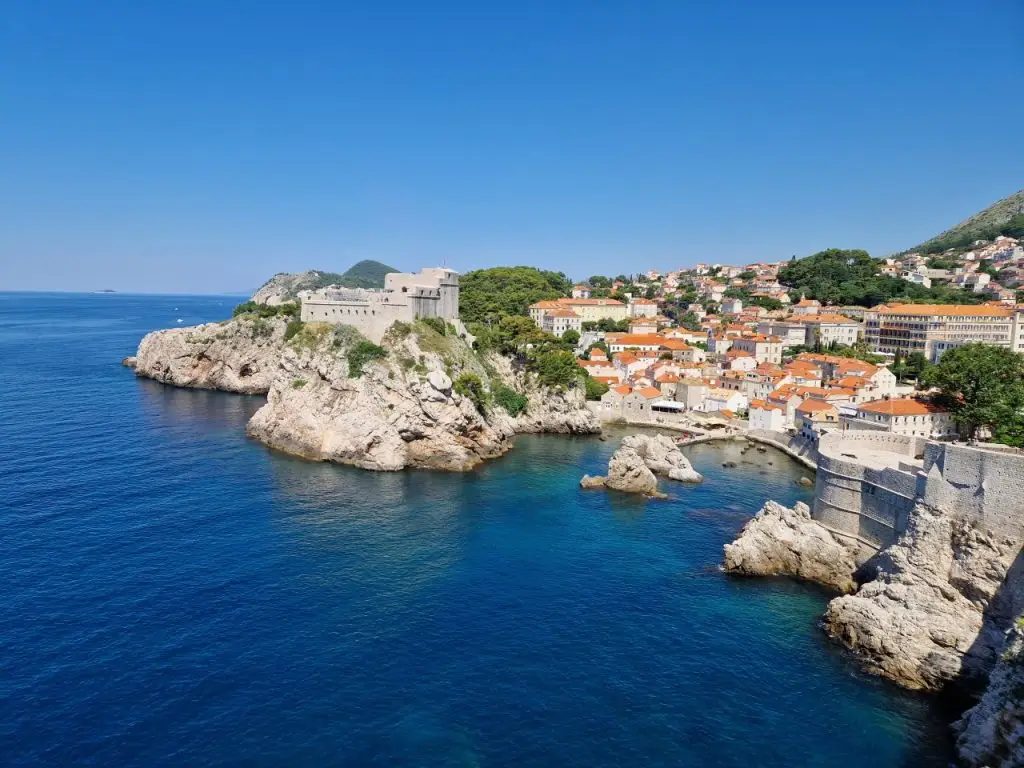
[
  {"x": 401, "y": 412},
  {"x": 991, "y": 734},
  {"x": 930, "y": 615},
  {"x": 239, "y": 355}
]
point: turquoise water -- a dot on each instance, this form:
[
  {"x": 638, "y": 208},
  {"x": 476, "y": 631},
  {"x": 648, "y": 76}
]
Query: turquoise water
[{"x": 176, "y": 594}]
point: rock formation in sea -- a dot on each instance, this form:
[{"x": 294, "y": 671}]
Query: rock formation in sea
[
  {"x": 422, "y": 399},
  {"x": 238, "y": 355},
  {"x": 935, "y": 604},
  {"x": 779, "y": 541},
  {"x": 638, "y": 458},
  {"x": 991, "y": 733}
]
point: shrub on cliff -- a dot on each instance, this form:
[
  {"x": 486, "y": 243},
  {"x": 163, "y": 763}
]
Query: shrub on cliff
[
  {"x": 293, "y": 327},
  {"x": 469, "y": 385},
  {"x": 289, "y": 309},
  {"x": 360, "y": 354},
  {"x": 513, "y": 402}
]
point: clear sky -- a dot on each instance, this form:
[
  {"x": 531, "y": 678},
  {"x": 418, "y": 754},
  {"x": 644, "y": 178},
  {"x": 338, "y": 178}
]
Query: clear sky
[{"x": 201, "y": 145}]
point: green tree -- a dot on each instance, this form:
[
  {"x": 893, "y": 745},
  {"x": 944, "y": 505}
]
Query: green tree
[
  {"x": 486, "y": 295},
  {"x": 571, "y": 337},
  {"x": 982, "y": 384}
]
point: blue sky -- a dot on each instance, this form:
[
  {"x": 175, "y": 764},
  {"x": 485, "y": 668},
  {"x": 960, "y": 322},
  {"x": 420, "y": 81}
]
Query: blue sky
[{"x": 200, "y": 146}]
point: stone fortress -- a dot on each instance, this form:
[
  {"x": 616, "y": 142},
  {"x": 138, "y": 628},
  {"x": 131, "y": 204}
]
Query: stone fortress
[
  {"x": 868, "y": 483},
  {"x": 431, "y": 292}
]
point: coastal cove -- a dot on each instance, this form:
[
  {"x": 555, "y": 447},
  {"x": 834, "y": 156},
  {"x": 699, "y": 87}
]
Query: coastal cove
[{"x": 186, "y": 595}]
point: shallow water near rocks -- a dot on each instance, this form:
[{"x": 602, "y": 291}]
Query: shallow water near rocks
[{"x": 176, "y": 594}]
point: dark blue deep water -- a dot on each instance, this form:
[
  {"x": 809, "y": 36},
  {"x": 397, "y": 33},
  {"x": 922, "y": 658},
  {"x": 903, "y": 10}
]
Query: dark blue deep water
[{"x": 173, "y": 593}]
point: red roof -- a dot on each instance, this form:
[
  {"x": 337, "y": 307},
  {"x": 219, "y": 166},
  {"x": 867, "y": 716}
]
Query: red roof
[{"x": 901, "y": 407}]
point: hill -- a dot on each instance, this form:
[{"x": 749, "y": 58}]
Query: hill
[
  {"x": 852, "y": 277},
  {"x": 1005, "y": 217},
  {"x": 285, "y": 286}
]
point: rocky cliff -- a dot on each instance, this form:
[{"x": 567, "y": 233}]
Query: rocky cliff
[
  {"x": 238, "y": 355},
  {"x": 991, "y": 733},
  {"x": 779, "y": 541},
  {"x": 420, "y": 400},
  {"x": 935, "y": 606}
]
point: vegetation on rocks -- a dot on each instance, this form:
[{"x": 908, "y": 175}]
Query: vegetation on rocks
[
  {"x": 469, "y": 385},
  {"x": 513, "y": 402},
  {"x": 361, "y": 353},
  {"x": 293, "y": 327},
  {"x": 289, "y": 309}
]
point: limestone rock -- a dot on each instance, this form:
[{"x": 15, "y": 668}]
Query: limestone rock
[
  {"x": 439, "y": 380},
  {"x": 591, "y": 481},
  {"x": 239, "y": 355},
  {"x": 991, "y": 734},
  {"x": 930, "y": 614},
  {"x": 779, "y": 541},
  {"x": 129, "y": 362},
  {"x": 628, "y": 472},
  {"x": 663, "y": 457}
]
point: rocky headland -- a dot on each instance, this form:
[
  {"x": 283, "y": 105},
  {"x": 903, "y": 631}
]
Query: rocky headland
[
  {"x": 636, "y": 462},
  {"x": 423, "y": 398},
  {"x": 780, "y": 541},
  {"x": 936, "y": 611}
]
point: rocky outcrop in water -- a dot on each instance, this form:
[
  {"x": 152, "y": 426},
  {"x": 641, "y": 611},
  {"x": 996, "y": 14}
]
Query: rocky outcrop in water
[
  {"x": 633, "y": 466},
  {"x": 627, "y": 472},
  {"x": 238, "y": 355},
  {"x": 333, "y": 396},
  {"x": 991, "y": 733},
  {"x": 663, "y": 457},
  {"x": 929, "y": 615},
  {"x": 780, "y": 541}
]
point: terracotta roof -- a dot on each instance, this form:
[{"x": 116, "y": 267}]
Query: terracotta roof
[
  {"x": 622, "y": 389},
  {"x": 562, "y": 313},
  {"x": 606, "y": 379},
  {"x": 901, "y": 407},
  {"x": 546, "y": 304},
  {"x": 763, "y": 405},
  {"x": 853, "y": 382},
  {"x": 639, "y": 340},
  {"x": 592, "y": 302},
  {"x": 946, "y": 310},
  {"x": 814, "y": 406},
  {"x": 675, "y": 344},
  {"x": 667, "y": 378},
  {"x": 649, "y": 392},
  {"x": 734, "y": 353}
]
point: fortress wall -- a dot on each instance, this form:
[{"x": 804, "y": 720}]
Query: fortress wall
[
  {"x": 871, "y": 506},
  {"x": 981, "y": 484}
]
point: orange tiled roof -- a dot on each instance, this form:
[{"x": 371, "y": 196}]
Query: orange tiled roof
[
  {"x": 901, "y": 407},
  {"x": 649, "y": 392},
  {"x": 814, "y": 406}
]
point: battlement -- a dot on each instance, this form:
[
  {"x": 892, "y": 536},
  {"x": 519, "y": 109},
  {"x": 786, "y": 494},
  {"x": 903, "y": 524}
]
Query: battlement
[{"x": 431, "y": 292}]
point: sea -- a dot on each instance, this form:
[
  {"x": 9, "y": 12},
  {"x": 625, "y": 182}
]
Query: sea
[{"x": 173, "y": 593}]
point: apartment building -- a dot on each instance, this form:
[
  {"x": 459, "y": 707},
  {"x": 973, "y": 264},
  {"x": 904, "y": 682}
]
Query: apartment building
[{"x": 935, "y": 328}]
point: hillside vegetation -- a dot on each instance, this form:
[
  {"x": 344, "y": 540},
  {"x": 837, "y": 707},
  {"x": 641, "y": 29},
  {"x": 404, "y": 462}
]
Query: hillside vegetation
[
  {"x": 1005, "y": 217},
  {"x": 837, "y": 276},
  {"x": 486, "y": 295}
]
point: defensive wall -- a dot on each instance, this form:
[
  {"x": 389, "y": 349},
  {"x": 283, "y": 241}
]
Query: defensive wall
[{"x": 868, "y": 483}]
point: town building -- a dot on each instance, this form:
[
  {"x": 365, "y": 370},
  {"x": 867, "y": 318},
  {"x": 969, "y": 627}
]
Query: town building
[
  {"x": 765, "y": 349},
  {"x": 558, "y": 321},
  {"x": 903, "y": 416},
  {"x": 581, "y": 291},
  {"x": 431, "y": 292},
  {"x": 765, "y": 415},
  {"x": 931, "y": 329}
]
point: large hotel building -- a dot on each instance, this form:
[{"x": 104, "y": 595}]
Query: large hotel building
[{"x": 934, "y": 328}]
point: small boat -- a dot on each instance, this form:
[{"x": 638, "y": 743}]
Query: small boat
[{"x": 180, "y": 320}]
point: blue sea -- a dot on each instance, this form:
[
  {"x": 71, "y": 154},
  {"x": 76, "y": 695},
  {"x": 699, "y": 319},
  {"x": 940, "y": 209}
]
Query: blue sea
[{"x": 175, "y": 594}]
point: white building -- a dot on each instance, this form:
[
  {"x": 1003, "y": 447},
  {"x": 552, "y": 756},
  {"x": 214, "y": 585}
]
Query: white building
[
  {"x": 903, "y": 416},
  {"x": 558, "y": 321}
]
